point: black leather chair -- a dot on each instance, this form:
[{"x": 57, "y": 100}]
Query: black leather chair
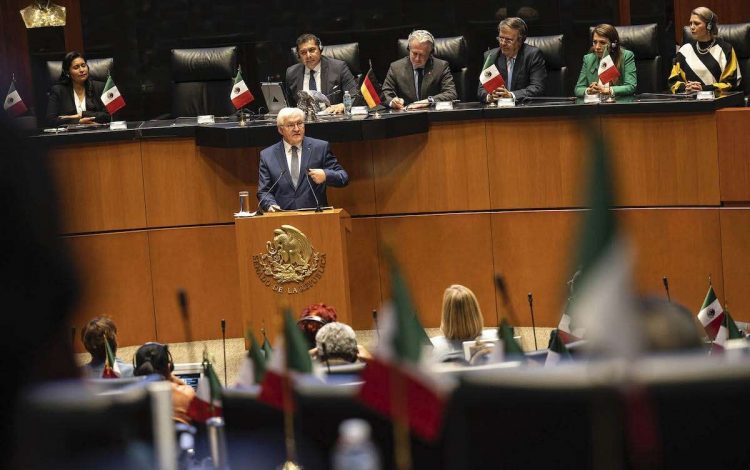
[
  {"x": 348, "y": 52},
  {"x": 203, "y": 80},
  {"x": 454, "y": 51},
  {"x": 738, "y": 35},
  {"x": 554, "y": 56},
  {"x": 98, "y": 69},
  {"x": 643, "y": 41}
]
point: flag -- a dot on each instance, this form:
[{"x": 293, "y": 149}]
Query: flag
[
  {"x": 711, "y": 314},
  {"x": 557, "y": 351},
  {"x": 490, "y": 77},
  {"x": 240, "y": 95},
  {"x": 111, "y": 97},
  {"x": 207, "y": 401},
  {"x": 396, "y": 367},
  {"x": 727, "y": 330},
  {"x": 566, "y": 330},
  {"x": 267, "y": 350},
  {"x": 111, "y": 369},
  {"x": 292, "y": 357},
  {"x": 369, "y": 89},
  {"x": 14, "y": 105},
  {"x": 608, "y": 73},
  {"x": 254, "y": 364},
  {"x": 510, "y": 345}
]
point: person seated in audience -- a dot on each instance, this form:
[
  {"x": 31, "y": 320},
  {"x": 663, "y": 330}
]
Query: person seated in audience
[
  {"x": 76, "y": 98},
  {"x": 313, "y": 318},
  {"x": 707, "y": 62},
  {"x": 461, "y": 321},
  {"x": 155, "y": 358},
  {"x": 92, "y": 337},
  {"x": 605, "y": 39},
  {"x": 336, "y": 343}
]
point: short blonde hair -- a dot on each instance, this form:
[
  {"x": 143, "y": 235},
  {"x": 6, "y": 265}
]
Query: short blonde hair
[
  {"x": 462, "y": 317},
  {"x": 289, "y": 113}
]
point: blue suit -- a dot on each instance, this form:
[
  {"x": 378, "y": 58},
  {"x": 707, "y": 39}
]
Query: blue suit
[{"x": 315, "y": 154}]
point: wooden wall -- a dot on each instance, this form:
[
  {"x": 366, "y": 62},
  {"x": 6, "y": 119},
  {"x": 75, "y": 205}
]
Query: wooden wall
[{"x": 728, "y": 11}]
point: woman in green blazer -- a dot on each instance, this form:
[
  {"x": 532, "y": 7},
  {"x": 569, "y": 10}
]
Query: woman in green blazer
[{"x": 605, "y": 37}]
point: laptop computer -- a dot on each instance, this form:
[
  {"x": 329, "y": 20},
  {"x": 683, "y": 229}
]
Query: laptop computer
[
  {"x": 189, "y": 372},
  {"x": 275, "y": 97}
]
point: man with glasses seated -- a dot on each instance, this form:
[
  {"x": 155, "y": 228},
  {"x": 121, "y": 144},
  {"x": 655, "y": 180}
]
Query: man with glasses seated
[
  {"x": 294, "y": 173},
  {"x": 522, "y": 66}
]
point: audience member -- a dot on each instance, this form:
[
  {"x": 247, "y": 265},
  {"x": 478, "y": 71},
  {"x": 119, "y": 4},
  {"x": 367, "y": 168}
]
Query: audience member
[
  {"x": 155, "y": 358},
  {"x": 92, "y": 337},
  {"x": 313, "y": 318},
  {"x": 461, "y": 321},
  {"x": 336, "y": 343}
]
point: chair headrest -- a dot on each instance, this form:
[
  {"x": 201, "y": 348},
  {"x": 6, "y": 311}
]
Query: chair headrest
[
  {"x": 551, "y": 47},
  {"x": 203, "y": 64},
  {"x": 738, "y": 35},
  {"x": 98, "y": 68},
  {"x": 453, "y": 50}
]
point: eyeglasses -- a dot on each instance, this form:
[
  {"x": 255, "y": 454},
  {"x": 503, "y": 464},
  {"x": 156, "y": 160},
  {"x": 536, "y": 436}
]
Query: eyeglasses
[
  {"x": 503, "y": 40},
  {"x": 292, "y": 125}
]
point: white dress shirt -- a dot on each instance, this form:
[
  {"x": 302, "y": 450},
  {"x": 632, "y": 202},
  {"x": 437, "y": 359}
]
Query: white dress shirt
[{"x": 80, "y": 104}]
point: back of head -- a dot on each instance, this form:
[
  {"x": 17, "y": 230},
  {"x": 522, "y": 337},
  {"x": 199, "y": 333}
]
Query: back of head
[
  {"x": 313, "y": 318},
  {"x": 337, "y": 341},
  {"x": 93, "y": 334},
  {"x": 461, "y": 316},
  {"x": 153, "y": 358},
  {"x": 668, "y": 327}
]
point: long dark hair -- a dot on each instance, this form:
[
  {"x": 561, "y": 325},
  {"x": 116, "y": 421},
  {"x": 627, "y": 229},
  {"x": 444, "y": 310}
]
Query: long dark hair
[
  {"x": 65, "y": 74},
  {"x": 610, "y": 32}
]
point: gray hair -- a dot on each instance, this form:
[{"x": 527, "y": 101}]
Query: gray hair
[
  {"x": 516, "y": 23},
  {"x": 289, "y": 113},
  {"x": 422, "y": 36},
  {"x": 339, "y": 340}
]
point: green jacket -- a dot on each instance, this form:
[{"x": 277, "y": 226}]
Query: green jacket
[{"x": 589, "y": 74}]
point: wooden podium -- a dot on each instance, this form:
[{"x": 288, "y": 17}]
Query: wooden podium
[{"x": 292, "y": 258}]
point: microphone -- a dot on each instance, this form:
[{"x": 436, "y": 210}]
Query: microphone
[
  {"x": 224, "y": 347},
  {"x": 317, "y": 203},
  {"x": 334, "y": 92},
  {"x": 502, "y": 288},
  {"x": 182, "y": 300},
  {"x": 533, "y": 323},
  {"x": 259, "y": 210},
  {"x": 665, "y": 281},
  {"x": 375, "y": 320},
  {"x": 318, "y": 97}
]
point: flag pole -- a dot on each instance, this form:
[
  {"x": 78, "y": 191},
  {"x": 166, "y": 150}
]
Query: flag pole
[
  {"x": 286, "y": 400},
  {"x": 402, "y": 446}
]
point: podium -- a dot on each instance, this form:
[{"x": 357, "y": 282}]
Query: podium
[{"x": 293, "y": 258}]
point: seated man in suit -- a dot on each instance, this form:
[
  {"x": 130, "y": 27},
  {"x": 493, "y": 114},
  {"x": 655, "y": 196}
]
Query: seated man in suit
[
  {"x": 285, "y": 165},
  {"x": 314, "y": 71},
  {"x": 522, "y": 66},
  {"x": 419, "y": 76}
]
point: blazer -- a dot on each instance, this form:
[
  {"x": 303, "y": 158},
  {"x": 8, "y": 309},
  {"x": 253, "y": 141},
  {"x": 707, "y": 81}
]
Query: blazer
[
  {"x": 334, "y": 73},
  {"x": 437, "y": 81},
  {"x": 273, "y": 167},
  {"x": 625, "y": 85},
  {"x": 61, "y": 103},
  {"x": 529, "y": 72}
]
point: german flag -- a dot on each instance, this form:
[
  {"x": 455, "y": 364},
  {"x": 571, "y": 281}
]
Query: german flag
[{"x": 369, "y": 89}]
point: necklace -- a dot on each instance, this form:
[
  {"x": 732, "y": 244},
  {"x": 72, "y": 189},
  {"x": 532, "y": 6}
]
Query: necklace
[{"x": 704, "y": 51}]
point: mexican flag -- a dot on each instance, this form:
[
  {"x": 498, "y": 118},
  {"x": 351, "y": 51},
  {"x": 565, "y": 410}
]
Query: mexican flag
[
  {"x": 240, "y": 95},
  {"x": 490, "y": 77},
  {"x": 14, "y": 105},
  {"x": 369, "y": 89},
  {"x": 111, "y": 369},
  {"x": 291, "y": 357},
  {"x": 727, "y": 330},
  {"x": 567, "y": 332},
  {"x": 395, "y": 384},
  {"x": 111, "y": 97},
  {"x": 207, "y": 401},
  {"x": 510, "y": 349},
  {"x": 608, "y": 73},
  {"x": 253, "y": 365},
  {"x": 711, "y": 314},
  {"x": 557, "y": 351},
  {"x": 267, "y": 350}
]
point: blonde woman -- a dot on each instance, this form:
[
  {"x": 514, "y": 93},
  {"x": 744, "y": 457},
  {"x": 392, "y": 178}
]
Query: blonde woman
[{"x": 461, "y": 321}]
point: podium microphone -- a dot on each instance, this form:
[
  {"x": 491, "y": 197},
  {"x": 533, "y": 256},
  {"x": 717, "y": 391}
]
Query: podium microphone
[
  {"x": 259, "y": 210},
  {"x": 224, "y": 347},
  {"x": 317, "y": 203},
  {"x": 665, "y": 281},
  {"x": 182, "y": 300},
  {"x": 533, "y": 323}
]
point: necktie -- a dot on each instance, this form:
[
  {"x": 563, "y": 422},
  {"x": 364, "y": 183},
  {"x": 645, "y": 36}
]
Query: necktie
[
  {"x": 420, "y": 76},
  {"x": 312, "y": 85},
  {"x": 511, "y": 62},
  {"x": 295, "y": 167}
]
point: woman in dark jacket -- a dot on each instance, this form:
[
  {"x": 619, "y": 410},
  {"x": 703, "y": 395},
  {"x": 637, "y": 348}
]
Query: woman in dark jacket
[{"x": 75, "y": 98}]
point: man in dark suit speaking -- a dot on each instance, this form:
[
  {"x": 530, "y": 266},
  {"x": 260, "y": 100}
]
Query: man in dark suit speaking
[
  {"x": 419, "y": 76},
  {"x": 317, "y": 72},
  {"x": 522, "y": 66},
  {"x": 294, "y": 173}
]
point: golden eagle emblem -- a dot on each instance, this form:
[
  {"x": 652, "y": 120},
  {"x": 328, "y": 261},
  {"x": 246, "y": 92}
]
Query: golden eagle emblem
[{"x": 289, "y": 257}]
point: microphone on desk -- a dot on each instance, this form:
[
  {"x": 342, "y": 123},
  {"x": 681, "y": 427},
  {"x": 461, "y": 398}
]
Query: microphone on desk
[
  {"x": 336, "y": 90},
  {"x": 259, "y": 210},
  {"x": 317, "y": 203},
  {"x": 224, "y": 347}
]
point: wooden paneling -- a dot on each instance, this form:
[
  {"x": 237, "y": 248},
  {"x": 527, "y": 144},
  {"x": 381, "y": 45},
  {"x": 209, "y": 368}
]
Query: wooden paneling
[
  {"x": 443, "y": 170},
  {"x": 728, "y": 11},
  {"x": 435, "y": 251},
  {"x": 364, "y": 272},
  {"x": 664, "y": 160},
  {"x": 682, "y": 244},
  {"x": 735, "y": 250},
  {"x": 734, "y": 153},
  {"x": 115, "y": 279},
  {"x": 73, "y": 29},
  {"x": 358, "y": 197},
  {"x": 536, "y": 162},
  {"x": 14, "y": 50},
  {"x": 189, "y": 185},
  {"x": 203, "y": 261},
  {"x": 100, "y": 186},
  {"x": 533, "y": 251}
]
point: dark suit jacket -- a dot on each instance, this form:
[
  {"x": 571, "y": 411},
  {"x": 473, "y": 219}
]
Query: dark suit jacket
[
  {"x": 61, "y": 103},
  {"x": 437, "y": 81},
  {"x": 315, "y": 154},
  {"x": 529, "y": 72},
  {"x": 333, "y": 72}
]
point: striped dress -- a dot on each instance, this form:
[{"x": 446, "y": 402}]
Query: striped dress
[{"x": 716, "y": 69}]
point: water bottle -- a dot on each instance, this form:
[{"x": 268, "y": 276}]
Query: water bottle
[
  {"x": 347, "y": 103},
  {"x": 354, "y": 449}
]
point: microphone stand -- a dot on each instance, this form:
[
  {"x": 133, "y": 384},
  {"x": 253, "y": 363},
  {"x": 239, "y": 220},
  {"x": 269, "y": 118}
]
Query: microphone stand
[
  {"x": 259, "y": 210},
  {"x": 224, "y": 347},
  {"x": 533, "y": 323},
  {"x": 182, "y": 299},
  {"x": 375, "y": 320},
  {"x": 317, "y": 202},
  {"x": 665, "y": 281}
]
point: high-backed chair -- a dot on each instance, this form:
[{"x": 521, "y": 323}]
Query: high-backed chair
[
  {"x": 203, "y": 80},
  {"x": 557, "y": 69},
  {"x": 348, "y": 52},
  {"x": 738, "y": 35},
  {"x": 98, "y": 69},
  {"x": 643, "y": 41},
  {"x": 454, "y": 51}
]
